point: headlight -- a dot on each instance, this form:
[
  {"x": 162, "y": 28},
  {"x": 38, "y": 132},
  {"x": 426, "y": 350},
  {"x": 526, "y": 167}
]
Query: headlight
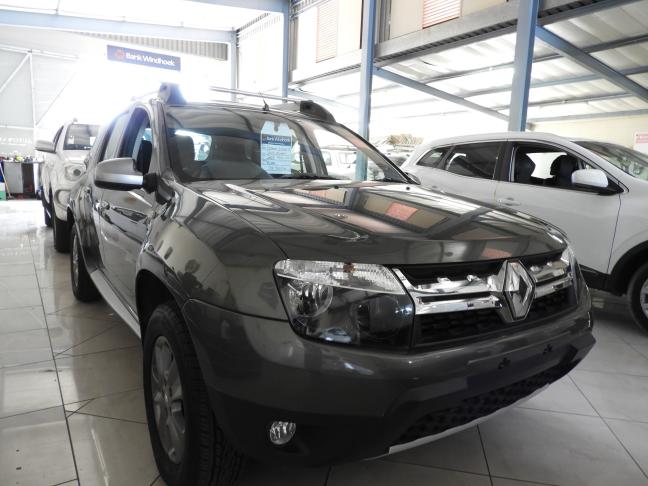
[
  {"x": 351, "y": 303},
  {"x": 63, "y": 197},
  {"x": 74, "y": 171}
]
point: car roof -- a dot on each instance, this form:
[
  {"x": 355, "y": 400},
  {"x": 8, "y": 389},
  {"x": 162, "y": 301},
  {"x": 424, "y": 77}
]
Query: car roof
[{"x": 485, "y": 137}]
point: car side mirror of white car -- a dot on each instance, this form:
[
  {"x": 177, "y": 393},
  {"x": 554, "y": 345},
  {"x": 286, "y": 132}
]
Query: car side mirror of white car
[
  {"x": 45, "y": 146},
  {"x": 118, "y": 175},
  {"x": 414, "y": 178},
  {"x": 590, "y": 178}
]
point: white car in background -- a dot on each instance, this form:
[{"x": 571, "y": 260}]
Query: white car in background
[
  {"x": 61, "y": 169},
  {"x": 596, "y": 192}
]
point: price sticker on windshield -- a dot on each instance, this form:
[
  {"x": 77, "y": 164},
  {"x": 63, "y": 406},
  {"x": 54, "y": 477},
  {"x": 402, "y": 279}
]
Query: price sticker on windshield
[{"x": 276, "y": 148}]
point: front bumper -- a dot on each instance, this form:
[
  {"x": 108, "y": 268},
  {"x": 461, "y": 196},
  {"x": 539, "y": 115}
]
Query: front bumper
[{"x": 352, "y": 403}]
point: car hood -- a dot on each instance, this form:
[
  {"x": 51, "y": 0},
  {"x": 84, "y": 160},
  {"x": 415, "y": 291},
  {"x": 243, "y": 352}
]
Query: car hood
[
  {"x": 374, "y": 222},
  {"x": 75, "y": 156}
]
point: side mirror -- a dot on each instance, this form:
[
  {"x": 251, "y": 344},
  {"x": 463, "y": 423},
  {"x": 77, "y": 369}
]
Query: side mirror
[
  {"x": 118, "y": 175},
  {"x": 590, "y": 178},
  {"x": 414, "y": 178},
  {"x": 45, "y": 146}
]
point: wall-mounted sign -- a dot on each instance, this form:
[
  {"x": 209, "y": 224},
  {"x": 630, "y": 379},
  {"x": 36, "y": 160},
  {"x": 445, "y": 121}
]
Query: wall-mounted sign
[
  {"x": 143, "y": 58},
  {"x": 641, "y": 142}
]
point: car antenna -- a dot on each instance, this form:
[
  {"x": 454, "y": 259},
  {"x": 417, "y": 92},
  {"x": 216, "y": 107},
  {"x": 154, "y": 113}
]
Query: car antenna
[{"x": 266, "y": 107}]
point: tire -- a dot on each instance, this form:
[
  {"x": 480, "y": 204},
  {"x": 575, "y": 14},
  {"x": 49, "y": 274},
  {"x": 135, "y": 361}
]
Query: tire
[
  {"x": 638, "y": 296},
  {"x": 82, "y": 286},
  {"x": 203, "y": 456},
  {"x": 61, "y": 234},
  {"x": 46, "y": 214}
]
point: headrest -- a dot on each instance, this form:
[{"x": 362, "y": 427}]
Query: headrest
[
  {"x": 564, "y": 165},
  {"x": 230, "y": 149},
  {"x": 524, "y": 167},
  {"x": 185, "y": 150}
]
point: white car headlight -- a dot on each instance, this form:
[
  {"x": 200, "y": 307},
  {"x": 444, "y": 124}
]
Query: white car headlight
[
  {"x": 351, "y": 303},
  {"x": 74, "y": 171}
]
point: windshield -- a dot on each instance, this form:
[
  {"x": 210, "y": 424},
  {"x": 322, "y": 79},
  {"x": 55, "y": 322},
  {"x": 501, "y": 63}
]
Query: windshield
[
  {"x": 80, "y": 137},
  {"x": 207, "y": 143},
  {"x": 628, "y": 160}
]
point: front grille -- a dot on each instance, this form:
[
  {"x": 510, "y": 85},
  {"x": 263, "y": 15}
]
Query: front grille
[
  {"x": 479, "y": 406},
  {"x": 450, "y": 326}
]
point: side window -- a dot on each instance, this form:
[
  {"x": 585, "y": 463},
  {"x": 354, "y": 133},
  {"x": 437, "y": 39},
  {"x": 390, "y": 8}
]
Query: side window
[
  {"x": 544, "y": 165},
  {"x": 138, "y": 141},
  {"x": 473, "y": 160},
  {"x": 111, "y": 149},
  {"x": 57, "y": 136},
  {"x": 433, "y": 158}
]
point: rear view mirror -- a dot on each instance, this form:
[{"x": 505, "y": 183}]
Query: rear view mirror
[
  {"x": 45, "y": 146},
  {"x": 118, "y": 175},
  {"x": 590, "y": 178}
]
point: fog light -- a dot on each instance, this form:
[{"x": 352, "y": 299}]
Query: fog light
[{"x": 280, "y": 433}]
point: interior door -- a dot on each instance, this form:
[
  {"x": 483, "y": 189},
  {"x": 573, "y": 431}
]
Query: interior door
[
  {"x": 539, "y": 183},
  {"x": 126, "y": 213},
  {"x": 467, "y": 170}
]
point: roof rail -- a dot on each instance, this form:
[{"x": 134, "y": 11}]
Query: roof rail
[{"x": 170, "y": 93}]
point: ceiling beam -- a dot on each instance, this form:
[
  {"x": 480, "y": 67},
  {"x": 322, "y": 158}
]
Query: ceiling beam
[
  {"x": 437, "y": 93},
  {"x": 604, "y": 46},
  {"x": 14, "y": 72},
  {"x": 589, "y": 62},
  {"x": 265, "y": 5},
  {"x": 104, "y": 26}
]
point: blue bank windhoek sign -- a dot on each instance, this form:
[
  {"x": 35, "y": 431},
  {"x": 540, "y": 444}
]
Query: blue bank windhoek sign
[{"x": 143, "y": 58}]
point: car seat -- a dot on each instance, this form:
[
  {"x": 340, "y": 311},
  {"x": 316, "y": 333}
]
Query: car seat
[
  {"x": 233, "y": 158},
  {"x": 562, "y": 169},
  {"x": 524, "y": 168},
  {"x": 182, "y": 147}
]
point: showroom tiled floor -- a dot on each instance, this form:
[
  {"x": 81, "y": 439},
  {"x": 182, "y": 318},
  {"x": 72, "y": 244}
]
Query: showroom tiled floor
[{"x": 71, "y": 407}]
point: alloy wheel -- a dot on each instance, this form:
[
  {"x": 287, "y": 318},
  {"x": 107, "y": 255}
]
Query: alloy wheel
[
  {"x": 643, "y": 297},
  {"x": 168, "y": 400}
]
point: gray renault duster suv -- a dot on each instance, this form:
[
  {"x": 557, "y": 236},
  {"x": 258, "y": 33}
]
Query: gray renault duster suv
[{"x": 293, "y": 315}]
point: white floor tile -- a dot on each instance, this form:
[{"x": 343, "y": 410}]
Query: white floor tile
[
  {"x": 24, "y": 347},
  {"x": 556, "y": 448},
  {"x": 613, "y": 395},
  {"x": 35, "y": 449},
  {"x": 384, "y": 473},
  {"x": 111, "y": 452},
  {"x": 27, "y": 388},
  {"x": 99, "y": 374},
  {"x": 123, "y": 406},
  {"x": 22, "y": 319}
]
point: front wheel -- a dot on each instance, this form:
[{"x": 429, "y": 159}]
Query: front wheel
[
  {"x": 83, "y": 287},
  {"x": 188, "y": 445},
  {"x": 638, "y": 293},
  {"x": 61, "y": 234}
]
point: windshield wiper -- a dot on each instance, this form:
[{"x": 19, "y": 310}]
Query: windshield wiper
[{"x": 306, "y": 176}]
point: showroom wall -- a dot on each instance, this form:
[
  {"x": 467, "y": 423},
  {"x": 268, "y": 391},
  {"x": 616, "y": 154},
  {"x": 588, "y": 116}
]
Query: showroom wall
[{"x": 618, "y": 130}]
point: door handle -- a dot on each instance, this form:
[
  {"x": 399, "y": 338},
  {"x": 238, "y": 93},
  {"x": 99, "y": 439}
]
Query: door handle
[{"x": 509, "y": 201}]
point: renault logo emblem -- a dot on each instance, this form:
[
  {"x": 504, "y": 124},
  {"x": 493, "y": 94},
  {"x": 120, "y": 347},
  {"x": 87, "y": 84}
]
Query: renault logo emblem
[{"x": 519, "y": 289}]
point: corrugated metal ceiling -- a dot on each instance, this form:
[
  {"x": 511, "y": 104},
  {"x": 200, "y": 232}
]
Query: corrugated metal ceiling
[{"x": 612, "y": 24}]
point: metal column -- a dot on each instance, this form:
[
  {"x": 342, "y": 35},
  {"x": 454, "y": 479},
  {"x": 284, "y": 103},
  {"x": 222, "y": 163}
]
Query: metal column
[
  {"x": 366, "y": 75},
  {"x": 233, "y": 62},
  {"x": 285, "y": 46},
  {"x": 524, "y": 40}
]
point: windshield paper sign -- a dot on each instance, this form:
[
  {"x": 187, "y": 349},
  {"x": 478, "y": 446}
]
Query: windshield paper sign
[
  {"x": 143, "y": 58},
  {"x": 276, "y": 148}
]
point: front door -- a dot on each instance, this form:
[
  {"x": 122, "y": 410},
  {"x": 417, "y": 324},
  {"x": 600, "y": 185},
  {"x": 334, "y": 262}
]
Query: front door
[
  {"x": 539, "y": 183},
  {"x": 126, "y": 214}
]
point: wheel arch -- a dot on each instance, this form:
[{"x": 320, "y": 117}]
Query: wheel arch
[
  {"x": 625, "y": 268},
  {"x": 151, "y": 291}
]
